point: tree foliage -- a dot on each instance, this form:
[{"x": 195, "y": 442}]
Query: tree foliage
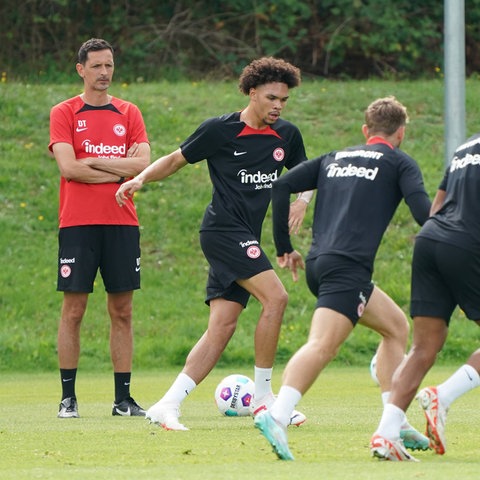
[{"x": 330, "y": 38}]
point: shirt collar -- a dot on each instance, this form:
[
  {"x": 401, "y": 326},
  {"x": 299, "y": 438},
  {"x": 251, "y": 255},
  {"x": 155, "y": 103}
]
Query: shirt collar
[{"x": 374, "y": 140}]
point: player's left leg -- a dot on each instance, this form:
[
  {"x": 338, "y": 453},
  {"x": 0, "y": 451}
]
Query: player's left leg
[
  {"x": 328, "y": 331},
  {"x": 270, "y": 292},
  {"x": 267, "y": 288},
  {"x": 384, "y": 316},
  {"x": 121, "y": 350}
]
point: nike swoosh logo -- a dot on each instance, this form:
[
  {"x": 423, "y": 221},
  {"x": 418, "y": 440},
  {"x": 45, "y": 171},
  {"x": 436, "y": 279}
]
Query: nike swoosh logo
[
  {"x": 81, "y": 129},
  {"x": 121, "y": 412},
  {"x": 137, "y": 269},
  {"x": 67, "y": 379},
  {"x": 238, "y": 153}
]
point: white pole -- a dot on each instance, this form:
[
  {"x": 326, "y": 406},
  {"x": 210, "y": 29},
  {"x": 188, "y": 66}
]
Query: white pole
[{"x": 454, "y": 46}]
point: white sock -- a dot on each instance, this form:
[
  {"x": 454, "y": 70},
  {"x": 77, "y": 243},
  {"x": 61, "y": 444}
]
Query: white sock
[
  {"x": 391, "y": 422},
  {"x": 263, "y": 382},
  {"x": 463, "y": 380},
  {"x": 181, "y": 387},
  {"x": 284, "y": 404},
  {"x": 405, "y": 425}
]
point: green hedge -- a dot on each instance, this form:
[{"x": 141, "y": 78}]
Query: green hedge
[{"x": 212, "y": 38}]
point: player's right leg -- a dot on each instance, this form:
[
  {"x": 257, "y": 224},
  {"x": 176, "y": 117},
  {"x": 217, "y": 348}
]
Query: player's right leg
[
  {"x": 436, "y": 416},
  {"x": 68, "y": 345},
  {"x": 267, "y": 288},
  {"x": 78, "y": 263},
  {"x": 200, "y": 361},
  {"x": 275, "y": 434}
]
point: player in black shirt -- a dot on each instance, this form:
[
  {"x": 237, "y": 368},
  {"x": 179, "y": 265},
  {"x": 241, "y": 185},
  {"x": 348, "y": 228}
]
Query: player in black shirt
[
  {"x": 445, "y": 273},
  {"x": 359, "y": 189},
  {"x": 245, "y": 151}
]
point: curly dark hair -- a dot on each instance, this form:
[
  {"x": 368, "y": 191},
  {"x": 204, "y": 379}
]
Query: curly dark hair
[
  {"x": 92, "y": 45},
  {"x": 268, "y": 70}
]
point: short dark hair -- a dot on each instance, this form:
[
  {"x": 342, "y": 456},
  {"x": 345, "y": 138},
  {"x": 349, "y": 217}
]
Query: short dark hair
[
  {"x": 268, "y": 70},
  {"x": 92, "y": 45}
]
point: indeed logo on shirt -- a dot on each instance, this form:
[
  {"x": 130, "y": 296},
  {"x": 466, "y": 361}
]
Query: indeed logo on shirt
[
  {"x": 334, "y": 170},
  {"x": 467, "y": 160},
  {"x": 102, "y": 149},
  {"x": 257, "y": 177}
]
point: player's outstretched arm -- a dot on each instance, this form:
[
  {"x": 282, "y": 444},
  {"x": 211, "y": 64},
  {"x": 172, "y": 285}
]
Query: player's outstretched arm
[{"x": 158, "y": 170}]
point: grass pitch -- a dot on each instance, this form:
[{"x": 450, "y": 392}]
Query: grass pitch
[{"x": 343, "y": 410}]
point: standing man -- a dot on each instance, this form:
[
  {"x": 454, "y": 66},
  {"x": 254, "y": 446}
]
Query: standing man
[
  {"x": 245, "y": 151},
  {"x": 445, "y": 273},
  {"x": 359, "y": 189},
  {"x": 97, "y": 141}
]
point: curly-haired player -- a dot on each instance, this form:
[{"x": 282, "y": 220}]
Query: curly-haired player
[{"x": 245, "y": 151}]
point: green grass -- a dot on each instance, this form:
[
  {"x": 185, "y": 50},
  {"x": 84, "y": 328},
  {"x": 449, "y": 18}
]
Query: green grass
[
  {"x": 343, "y": 410},
  {"x": 169, "y": 311}
]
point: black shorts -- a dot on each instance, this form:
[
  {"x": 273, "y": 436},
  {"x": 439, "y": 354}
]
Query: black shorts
[
  {"x": 114, "y": 249},
  {"x": 232, "y": 256},
  {"x": 340, "y": 284},
  {"x": 444, "y": 276}
]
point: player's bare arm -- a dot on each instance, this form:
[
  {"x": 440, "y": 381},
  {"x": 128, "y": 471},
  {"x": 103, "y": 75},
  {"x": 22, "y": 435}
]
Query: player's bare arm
[
  {"x": 158, "y": 170},
  {"x": 438, "y": 201},
  {"x": 71, "y": 169},
  {"x": 137, "y": 159},
  {"x": 298, "y": 209}
]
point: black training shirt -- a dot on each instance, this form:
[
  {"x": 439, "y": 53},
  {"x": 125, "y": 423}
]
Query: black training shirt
[
  {"x": 359, "y": 189},
  {"x": 458, "y": 220},
  {"x": 243, "y": 162}
]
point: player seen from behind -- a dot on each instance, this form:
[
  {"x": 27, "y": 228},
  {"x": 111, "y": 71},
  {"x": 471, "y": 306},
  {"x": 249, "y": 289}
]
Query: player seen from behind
[
  {"x": 358, "y": 191},
  {"x": 445, "y": 273}
]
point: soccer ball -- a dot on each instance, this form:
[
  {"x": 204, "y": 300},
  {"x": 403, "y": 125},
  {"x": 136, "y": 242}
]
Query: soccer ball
[
  {"x": 373, "y": 369},
  {"x": 234, "y": 394}
]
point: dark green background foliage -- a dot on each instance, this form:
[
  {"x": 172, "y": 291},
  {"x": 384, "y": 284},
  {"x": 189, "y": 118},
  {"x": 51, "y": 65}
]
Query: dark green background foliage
[{"x": 216, "y": 38}]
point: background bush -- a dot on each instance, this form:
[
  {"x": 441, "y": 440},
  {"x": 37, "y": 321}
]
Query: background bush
[{"x": 216, "y": 38}]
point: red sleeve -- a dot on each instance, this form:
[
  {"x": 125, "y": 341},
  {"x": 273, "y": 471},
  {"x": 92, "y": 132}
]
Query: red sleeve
[
  {"x": 138, "y": 132},
  {"x": 61, "y": 125},
  {"x": 62, "y": 121}
]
